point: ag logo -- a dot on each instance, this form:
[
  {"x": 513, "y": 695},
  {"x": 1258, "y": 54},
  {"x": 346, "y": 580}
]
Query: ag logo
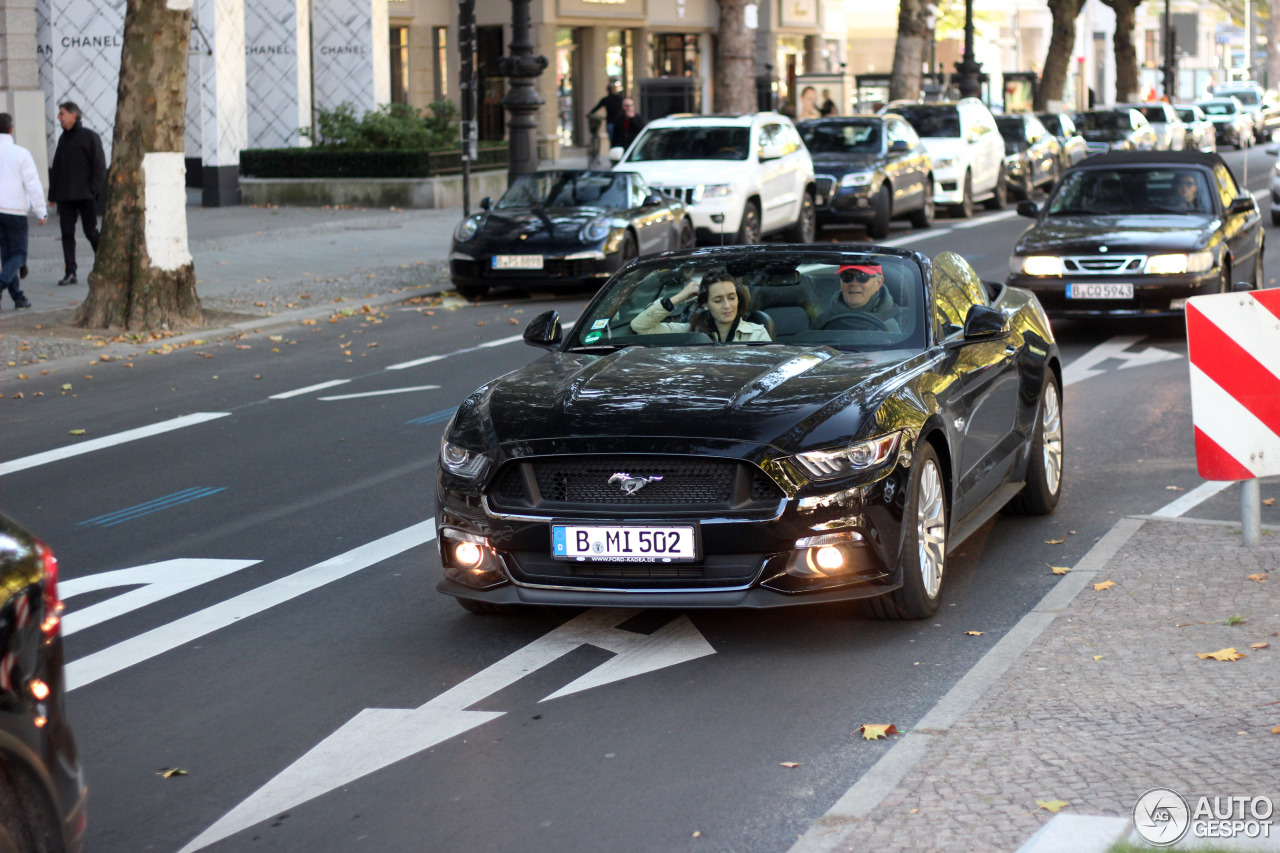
[{"x": 1161, "y": 817}]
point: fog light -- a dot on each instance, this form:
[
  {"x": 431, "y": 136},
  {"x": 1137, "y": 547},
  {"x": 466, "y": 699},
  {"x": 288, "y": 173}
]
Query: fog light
[
  {"x": 717, "y": 218},
  {"x": 468, "y": 555},
  {"x": 829, "y": 558}
]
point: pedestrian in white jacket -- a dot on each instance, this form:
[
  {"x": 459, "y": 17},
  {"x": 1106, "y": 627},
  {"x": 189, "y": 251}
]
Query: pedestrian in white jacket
[{"x": 20, "y": 192}]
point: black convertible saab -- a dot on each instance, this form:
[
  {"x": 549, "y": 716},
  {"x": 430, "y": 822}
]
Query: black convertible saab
[
  {"x": 564, "y": 227},
  {"x": 754, "y": 426}
]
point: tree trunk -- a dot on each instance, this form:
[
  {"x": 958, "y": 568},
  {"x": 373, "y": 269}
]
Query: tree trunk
[
  {"x": 1125, "y": 51},
  {"x": 143, "y": 276},
  {"x": 1273, "y": 47},
  {"x": 909, "y": 51},
  {"x": 735, "y": 77},
  {"x": 1057, "y": 62}
]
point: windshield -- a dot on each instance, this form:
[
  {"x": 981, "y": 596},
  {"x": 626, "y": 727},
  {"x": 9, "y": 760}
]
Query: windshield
[
  {"x": 1105, "y": 120},
  {"x": 1011, "y": 128},
  {"x": 566, "y": 189},
  {"x": 1187, "y": 115},
  {"x": 1218, "y": 108},
  {"x": 692, "y": 143},
  {"x": 843, "y": 138},
  {"x": 1153, "y": 114},
  {"x": 1117, "y": 192},
  {"x": 931, "y": 121},
  {"x": 1248, "y": 97},
  {"x": 848, "y": 300}
]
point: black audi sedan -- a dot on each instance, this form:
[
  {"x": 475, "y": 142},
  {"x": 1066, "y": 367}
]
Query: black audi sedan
[
  {"x": 869, "y": 170},
  {"x": 42, "y": 791},
  {"x": 1138, "y": 234},
  {"x": 564, "y": 227},
  {"x": 1119, "y": 129},
  {"x": 868, "y": 409},
  {"x": 1032, "y": 155}
]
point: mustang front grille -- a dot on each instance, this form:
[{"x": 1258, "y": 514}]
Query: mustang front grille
[{"x": 649, "y": 483}]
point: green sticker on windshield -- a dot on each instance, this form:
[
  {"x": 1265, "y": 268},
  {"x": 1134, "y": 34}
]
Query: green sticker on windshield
[{"x": 591, "y": 338}]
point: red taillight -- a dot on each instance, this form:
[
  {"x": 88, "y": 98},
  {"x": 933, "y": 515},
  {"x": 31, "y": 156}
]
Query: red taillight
[{"x": 52, "y": 604}]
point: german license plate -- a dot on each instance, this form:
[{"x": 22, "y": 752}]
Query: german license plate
[
  {"x": 630, "y": 543},
  {"x": 517, "y": 262},
  {"x": 1100, "y": 291}
]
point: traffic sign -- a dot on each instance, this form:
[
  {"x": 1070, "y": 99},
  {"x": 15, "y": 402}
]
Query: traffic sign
[{"x": 1233, "y": 342}]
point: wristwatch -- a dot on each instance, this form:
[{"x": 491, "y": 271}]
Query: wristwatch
[{"x": 667, "y": 304}]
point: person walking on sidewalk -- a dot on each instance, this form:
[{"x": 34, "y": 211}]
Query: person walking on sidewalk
[
  {"x": 20, "y": 191},
  {"x": 75, "y": 182}
]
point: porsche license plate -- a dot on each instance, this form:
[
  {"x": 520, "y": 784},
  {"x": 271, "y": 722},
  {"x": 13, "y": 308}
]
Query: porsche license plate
[
  {"x": 631, "y": 543},
  {"x": 1117, "y": 290},
  {"x": 517, "y": 262}
]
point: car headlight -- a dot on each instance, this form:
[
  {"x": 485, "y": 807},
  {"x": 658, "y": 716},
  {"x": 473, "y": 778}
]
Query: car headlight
[
  {"x": 717, "y": 190},
  {"x": 596, "y": 229},
  {"x": 1037, "y": 265},
  {"x": 858, "y": 456},
  {"x": 857, "y": 179},
  {"x": 944, "y": 163},
  {"x": 456, "y": 459},
  {"x": 467, "y": 228},
  {"x": 1180, "y": 263}
]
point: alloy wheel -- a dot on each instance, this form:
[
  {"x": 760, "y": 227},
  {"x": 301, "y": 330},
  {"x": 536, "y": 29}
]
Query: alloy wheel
[
  {"x": 1051, "y": 437},
  {"x": 931, "y": 528}
]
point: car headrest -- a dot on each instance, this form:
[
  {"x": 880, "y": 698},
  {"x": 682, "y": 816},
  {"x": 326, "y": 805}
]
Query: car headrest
[{"x": 895, "y": 281}]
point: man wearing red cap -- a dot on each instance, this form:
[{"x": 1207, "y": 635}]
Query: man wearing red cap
[{"x": 861, "y": 292}]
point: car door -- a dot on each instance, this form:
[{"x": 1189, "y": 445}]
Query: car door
[
  {"x": 652, "y": 220},
  {"x": 983, "y": 404},
  {"x": 776, "y": 176},
  {"x": 1242, "y": 232},
  {"x": 990, "y": 147},
  {"x": 902, "y": 165}
]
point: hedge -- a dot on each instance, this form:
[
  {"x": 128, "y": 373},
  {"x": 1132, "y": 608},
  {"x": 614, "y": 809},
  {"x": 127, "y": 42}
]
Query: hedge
[{"x": 328, "y": 163}]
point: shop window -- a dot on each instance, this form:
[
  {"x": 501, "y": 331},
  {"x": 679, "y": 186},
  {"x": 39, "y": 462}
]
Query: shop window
[
  {"x": 440, "y": 53},
  {"x": 399, "y": 65},
  {"x": 675, "y": 55}
]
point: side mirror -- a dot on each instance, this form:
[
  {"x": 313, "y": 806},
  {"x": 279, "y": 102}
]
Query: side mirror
[
  {"x": 1028, "y": 209},
  {"x": 544, "y": 330},
  {"x": 1242, "y": 287},
  {"x": 772, "y": 151},
  {"x": 1242, "y": 204},
  {"x": 983, "y": 321},
  {"x": 898, "y": 145},
  {"x": 652, "y": 199},
  {"x": 486, "y": 203},
  {"x": 615, "y": 154}
]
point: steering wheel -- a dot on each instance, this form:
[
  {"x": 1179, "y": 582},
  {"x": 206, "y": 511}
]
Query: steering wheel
[{"x": 855, "y": 320}]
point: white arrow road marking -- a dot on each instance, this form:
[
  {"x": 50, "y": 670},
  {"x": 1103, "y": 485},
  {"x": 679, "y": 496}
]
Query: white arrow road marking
[
  {"x": 108, "y": 441},
  {"x": 161, "y": 581},
  {"x": 378, "y": 737},
  {"x": 382, "y": 393},
  {"x": 1086, "y": 366},
  {"x": 145, "y": 646}
]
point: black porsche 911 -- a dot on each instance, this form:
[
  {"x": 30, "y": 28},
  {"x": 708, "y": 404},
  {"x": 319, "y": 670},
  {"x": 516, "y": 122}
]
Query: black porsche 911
[
  {"x": 564, "y": 227},
  {"x": 872, "y": 408},
  {"x": 1137, "y": 234}
]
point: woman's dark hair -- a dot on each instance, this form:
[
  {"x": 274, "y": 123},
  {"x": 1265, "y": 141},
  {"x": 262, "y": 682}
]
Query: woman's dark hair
[{"x": 701, "y": 320}]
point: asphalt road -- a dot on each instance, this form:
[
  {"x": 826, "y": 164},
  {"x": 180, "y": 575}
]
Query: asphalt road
[{"x": 306, "y": 597}]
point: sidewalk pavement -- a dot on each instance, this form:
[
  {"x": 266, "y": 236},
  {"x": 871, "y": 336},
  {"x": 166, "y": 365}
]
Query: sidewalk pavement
[{"x": 1093, "y": 699}]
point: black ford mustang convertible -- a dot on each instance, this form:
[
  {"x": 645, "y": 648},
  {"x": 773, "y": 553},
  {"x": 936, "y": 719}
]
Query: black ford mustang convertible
[{"x": 754, "y": 427}]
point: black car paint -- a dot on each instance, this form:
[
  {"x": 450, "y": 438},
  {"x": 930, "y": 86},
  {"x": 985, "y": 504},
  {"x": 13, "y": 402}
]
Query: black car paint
[
  {"x": 1235, "y": 238},
  {"x": 907, "y": 172},
  {"x": 975, "y": 400},
  {"x": 39, "y": 763},
  {"x": 1032, "y": 153}
]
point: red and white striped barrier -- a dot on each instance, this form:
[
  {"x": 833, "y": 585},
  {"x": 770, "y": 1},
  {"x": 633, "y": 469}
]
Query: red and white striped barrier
[{"x": 1233, "y": 342}]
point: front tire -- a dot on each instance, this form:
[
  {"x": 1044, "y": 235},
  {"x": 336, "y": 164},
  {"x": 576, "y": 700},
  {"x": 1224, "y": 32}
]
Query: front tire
[
  {"x": 807, "y": 225},
  {"x": 923, "y": 218},
  {"x": 688, "y": 237},
  {"x": 924, "y": 546},
  {"x": 749, "y": 230},
  {"x": 964, "y": 209},
  {"x": 878, "y": 227},
  {"x": 1044, "y": 469},
  {"x": 999, "y": 195}
]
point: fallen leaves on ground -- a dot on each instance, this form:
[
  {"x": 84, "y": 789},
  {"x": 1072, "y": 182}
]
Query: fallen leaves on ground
[
  {"x": 1276, "y": 730},
  {"x": 1269, "y": 502},
  {"x": 1104, "y": 585},
  {"x": 77, "y": 432},
  {"x": 169, "y": 774},
  {"x": 1258, "y": 578},
  {"x": 1098, "y": 657},
  {"x": 790, "y": 763},
  {"x": 1227, "y": 654},
  {"x": 1059, "y": 570},
  {"x": 1174, "y": 489},
  {"x": 1054, "y": 541},
  {"x": 1054, "y": 806},
  {"x": 973, "y": 633},
  {"x": 1256, "y": 646},
  {"x": 873, "y": 731}
]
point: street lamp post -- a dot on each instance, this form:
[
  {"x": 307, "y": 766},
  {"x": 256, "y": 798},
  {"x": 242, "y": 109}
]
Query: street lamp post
[
  {"x": 522, "y": 99},
  {"x": 969, "y": 70},
  {"x": 1170, "y": 63}
]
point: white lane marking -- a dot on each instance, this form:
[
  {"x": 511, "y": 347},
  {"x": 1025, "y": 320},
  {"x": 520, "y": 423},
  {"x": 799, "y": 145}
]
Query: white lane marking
[
  {"x": 383, "y": 393},
  {"x": 500, "y": 341},
  {"x": 108, "y": 441},
  {"x": 145, "y": 646},
  {"x": 378, "y": 737},
  {"x": 495, "y": 343},
  {"x": 298, "y": 392},
  {"x": 1086, "y": 366},
  {"x": 160, "y": 580},
  {"x": 915, "y": 236},
  {"x": 1193, "y": 498},
  {"x": 983, "y": 220}
]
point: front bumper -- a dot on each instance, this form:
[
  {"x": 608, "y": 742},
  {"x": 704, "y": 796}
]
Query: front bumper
[
  {"x": 1153, "y": 296},
  {"x": 717, "y": 215},
  {"x": 948, "y": 185},
  {"x": 477, "y": 268},
  {"x": 849, "y": 204}
]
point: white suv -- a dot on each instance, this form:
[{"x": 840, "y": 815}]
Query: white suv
[
  {"x": 740, "y": 177},
  {"x": 966, "y": 148}
]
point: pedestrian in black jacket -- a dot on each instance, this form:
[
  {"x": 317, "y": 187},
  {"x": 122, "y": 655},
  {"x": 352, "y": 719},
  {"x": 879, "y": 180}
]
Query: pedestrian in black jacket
[{"x": 76, "y": 180}]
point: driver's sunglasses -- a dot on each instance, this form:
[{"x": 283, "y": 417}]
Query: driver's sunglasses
[{"x": 859, "y": 277}]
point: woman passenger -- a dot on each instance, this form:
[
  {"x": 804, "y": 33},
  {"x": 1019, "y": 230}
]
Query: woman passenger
[{"x": 722, "y": 303}]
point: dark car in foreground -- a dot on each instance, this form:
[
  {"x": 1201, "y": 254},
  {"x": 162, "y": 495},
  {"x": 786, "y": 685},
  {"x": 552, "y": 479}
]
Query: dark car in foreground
[
  {"x": 869, "y": 170},
  {"x": 42, "y": 791},
  {"x": 1139, "y": 234},
  {"x": 844, "y": 455},
  {"x": 1032, "y": 155},
  {"x": 564, "y": 227}
]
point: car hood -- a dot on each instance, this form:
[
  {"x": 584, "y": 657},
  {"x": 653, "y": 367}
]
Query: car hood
[
  {"x": 687, "y": 173},
  {"x": 940, "y": 147},
  {"x": 557, "y": 223},
  {"x": 1145, "y": 234},
  {"x": 780, "y": 396},
  {"x": 841, "y": 164}
]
